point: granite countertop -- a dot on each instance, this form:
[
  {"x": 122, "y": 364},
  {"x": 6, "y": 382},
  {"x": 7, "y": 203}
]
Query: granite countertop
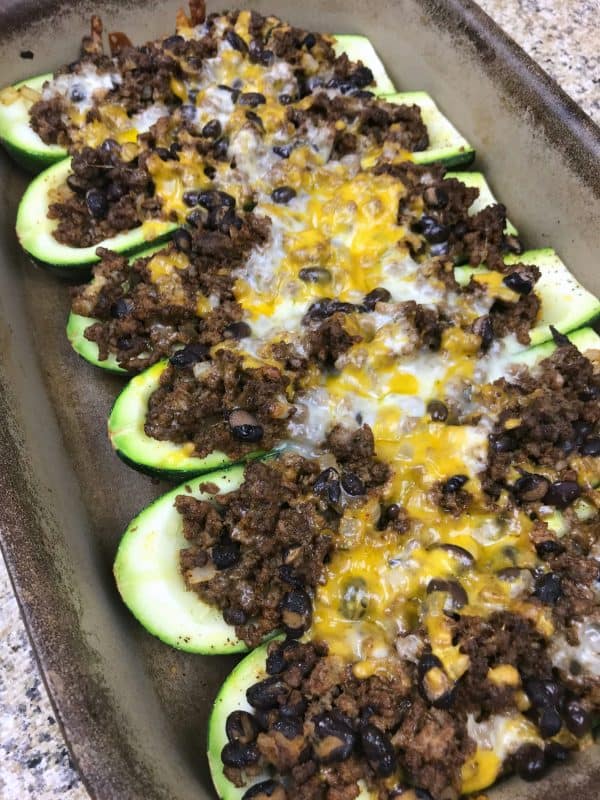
[{"x": 34, "y": 761}]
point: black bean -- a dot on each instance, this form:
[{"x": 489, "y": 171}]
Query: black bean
[
  {"x": 378, "y": 750},
  {"x": 591, "y": 447},
  {"x": 315, "y": 275},
  {"x": 549, "y": 722},
  {"x": 283, "y": 150},
  {"x": 236, "y": 41},
  {"x": 241, "y": 727},
  {"x": 285, "y": 100},
  {"x": 512, "y": 244},
  {"x": 163, "y": 153},
  {"x": 556, "y": 752},
  {"x": 75, "y": 184},
  {"x": 235, "y": 616},
  {"x": 114, "y": 191},
  {"x": 462, "y": 555},
  {"x": 213, "y": 198},
  {"x": 361, "y": 77},
  {"x": 212, "y": 129},
  {"x": 121, "y": 308},
  {"x": 260, "y": 55},
  {"x": 210, "y": 171},
  {"x": 276, "y": 663},
  {"x": 78, "y": 93},
  {"x": 388, "y": 514},
  {"x": 326, "y": 307},
  {"x": 437, "y": 410},
  {"x": 543, "y": 693},
  {"x": 562, "y": 493},
  {"x": 266, "y": 693},
  {"x": 238, "y": 755},
  {"x": 505, "y": 442},
  {"x": 296, "y": 612},
  {"x": 237, "y": 330},
  {"x": 182, "y": 240},
  {"x": 457, "y": 594},
  {"x": 454, "y": 484},
  {"x": 252, "y": 99},
  {"x": 290, "y": 727},
  {"x": 327, "y": 484},
  {"x": 288, "y": 575},
  {"x": 190, "y": 198},
  {"x": 483, "y": 327},
  {"x": 577, "y": 719},
  {"x": 264, "y": 790},
  {"x": 225, "y": 554},
  {"x": 336, "y": 739},
  {"x": 295, "y": 706},
  {"x": 355, "y": 599},
  {"x": 124, "y": 343},
  {"x": 434, "y": 685},
  {"x": 432, "y": 230},
  {"x": 190, "y": 354},
  {"x": 378, "y": 295},
  {"x": 435, "y": 197},
  {"x": 531, "y": 487},
  {"x": 97, "y": 203},
  {"x": 309, "y": 41},
  {"x": 518, "y": 283},
  {"x": 352, "y": 484},
  {"x": 220, "y": 149},
  {"x": 548, "y": 588},
  {"x": 441, "y": 249},
  {"x": 252, "y": 117},
  {"x": 283, "y": 194},
  {"x": 529, "y": 762}
]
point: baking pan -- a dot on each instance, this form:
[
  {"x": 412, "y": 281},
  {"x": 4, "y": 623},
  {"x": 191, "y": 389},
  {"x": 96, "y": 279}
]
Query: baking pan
[{"x": 134, "y": 711}]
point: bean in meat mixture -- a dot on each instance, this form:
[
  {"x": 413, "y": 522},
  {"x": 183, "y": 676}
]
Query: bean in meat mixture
[
  {"x": 548, "y": 420},
  {"x": 257, "y": 553},
  {"x": 321, "y": 730},
  {"x": 106, "y": 193},
  {"x": 143, "y": 318}
]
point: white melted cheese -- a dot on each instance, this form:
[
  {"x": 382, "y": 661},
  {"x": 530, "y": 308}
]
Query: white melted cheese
[
  {"x": 91, "y": 83},
  {"x": 586, "y": 654}
]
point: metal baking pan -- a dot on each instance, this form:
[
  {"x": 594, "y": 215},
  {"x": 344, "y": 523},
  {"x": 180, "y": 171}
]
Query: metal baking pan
[{"x": 134, "y": 711}]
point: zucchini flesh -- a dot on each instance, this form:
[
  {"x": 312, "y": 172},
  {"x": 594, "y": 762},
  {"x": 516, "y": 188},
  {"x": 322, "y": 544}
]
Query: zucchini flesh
[
  {"x": 17, "y": 135},
  {"x": 566, "y": 304},
  {"x": 34, "y": 229},
  {"x": 148, "y": 578},
  {"x": 77, "y": 324}
]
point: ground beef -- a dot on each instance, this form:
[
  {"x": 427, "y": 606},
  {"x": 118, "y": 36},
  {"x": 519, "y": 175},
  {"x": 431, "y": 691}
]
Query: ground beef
[
  {"x": 104, "y": 196},
  {"x": 371, "y": 119},
  {"x": 261, "y": 542},
  {"x": 557, "y": 411},
  {"x": 329, "y": 340},
  {"x": 355, "y": 452},
  {"x": 186, "y": 408},
  {"x": 378, "y": 727},
  {"x": 141, "y": 322},
  {"x": 48, "y": 120}
]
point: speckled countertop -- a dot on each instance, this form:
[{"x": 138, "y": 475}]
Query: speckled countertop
[{"x": 34, "y": 762}]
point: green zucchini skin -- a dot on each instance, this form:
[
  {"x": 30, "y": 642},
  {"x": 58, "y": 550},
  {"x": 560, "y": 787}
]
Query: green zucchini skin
[
  {"x": 19, "y": 139},
  {"x": 147, "y": 575}
]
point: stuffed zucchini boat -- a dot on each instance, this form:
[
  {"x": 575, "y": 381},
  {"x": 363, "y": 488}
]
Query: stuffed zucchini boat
[
  {"x": 116, "y": 322},
  {"x": 167, "y": 574},
  {"x": 129, "y": 418}
]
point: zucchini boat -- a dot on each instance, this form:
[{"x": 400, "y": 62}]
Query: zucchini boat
[
  {"x": 25, "y": 146},
  {"x": 16, "y": 134},
  {"x": 147, "y": 568},
  {"x": 34, "y": 228},
  {"x": 149, "y": 579},
  {"x": 566, "y": 304},
  {"x": 77, "y": 324}
]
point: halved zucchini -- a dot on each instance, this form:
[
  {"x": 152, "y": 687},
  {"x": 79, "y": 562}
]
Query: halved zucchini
[
  {"x": 149, "y": 580},
  {"x": 359, "y": 48},
  {"x": 76, "y": 324},
  {"x": 17, "y": 135},
  {"x": 566, "y": 304},
  {"x": 34, "y": 229}
]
